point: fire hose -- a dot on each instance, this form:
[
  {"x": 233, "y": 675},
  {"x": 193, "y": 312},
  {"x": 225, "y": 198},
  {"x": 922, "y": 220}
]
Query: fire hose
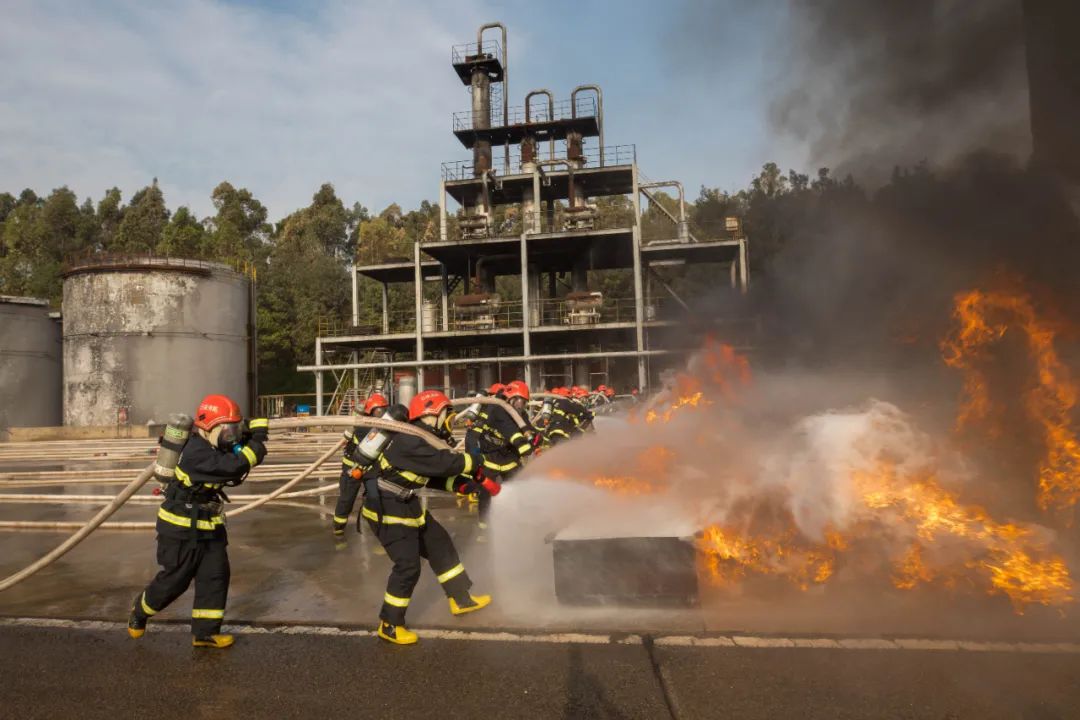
[{"x": 147, "y": 473}]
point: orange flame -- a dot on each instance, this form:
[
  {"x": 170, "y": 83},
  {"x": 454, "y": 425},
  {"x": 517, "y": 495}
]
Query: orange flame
[
  {"x": 1010, "y": 558},
  {"x": 1049, "y": 403}
]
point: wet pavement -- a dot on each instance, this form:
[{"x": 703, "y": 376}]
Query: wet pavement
[{"x": 290, "y": 572}]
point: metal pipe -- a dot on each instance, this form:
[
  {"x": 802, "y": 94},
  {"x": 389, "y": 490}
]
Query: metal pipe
[
  {"x": 490, "y": 359},
  {"x": 571, "y": 195},
  {"x": 551, "y": 116},
  {"x": 599, "y": 111},
  {"x": 506, "y": 82}
]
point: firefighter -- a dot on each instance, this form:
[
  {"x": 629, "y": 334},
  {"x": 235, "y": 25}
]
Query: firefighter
[
  {"x": 580, "y": 395},
  {"x": 375, "y": 406},
  {"x": 191, "y": 537},
  {"x": 406, "y": 529},
  {"x": 563, "y": 423},
  {"x": 503, "y": 444}
]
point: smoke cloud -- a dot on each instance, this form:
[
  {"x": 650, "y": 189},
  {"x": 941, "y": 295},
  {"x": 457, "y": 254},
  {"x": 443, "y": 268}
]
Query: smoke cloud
[{"x": 870, "y": 85}]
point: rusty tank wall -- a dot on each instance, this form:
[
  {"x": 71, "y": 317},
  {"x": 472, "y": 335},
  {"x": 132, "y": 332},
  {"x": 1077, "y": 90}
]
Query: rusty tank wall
[
  {"x": 30, "y": 367},
  {"x": 152, "y": 338}
]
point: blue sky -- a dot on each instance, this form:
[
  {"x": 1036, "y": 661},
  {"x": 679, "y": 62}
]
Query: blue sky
[{"x": 280, "y": 96}]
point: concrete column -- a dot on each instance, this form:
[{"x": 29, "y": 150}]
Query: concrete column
[
  {"x": 639, "y": 304},
  {"x": 445, "y": 299},
  {"x": 385, "y": 308},
  {"x": 581, "y": 373},
  {"x": 526, "y": 307},
  {"x": 442, "y": 211},
  {"x": 487, "y": 370},
  {"x": 355, "y": 297},
  {"x": 418, "y": 278},
  {"x": 318, "y": 378},
  {"x": 580, "y": 274},
  {"x": 744, "y": 265},
  {"x": 536, "y": 226}
]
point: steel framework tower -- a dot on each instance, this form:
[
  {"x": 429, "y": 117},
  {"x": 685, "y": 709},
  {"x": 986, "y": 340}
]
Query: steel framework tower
[{"x": 540, "y": 217}]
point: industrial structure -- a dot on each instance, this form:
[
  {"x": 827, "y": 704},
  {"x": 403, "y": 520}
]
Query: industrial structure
[
  {"x": 29, "y": 363},
  {"x": 543, "y": 205},
  {"x": 143, "y": 336}
]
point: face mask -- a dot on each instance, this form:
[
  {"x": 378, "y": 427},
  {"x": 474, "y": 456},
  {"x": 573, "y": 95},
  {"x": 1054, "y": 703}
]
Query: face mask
[
  {"x": 378, "y": 412},
  {"x": 228, "y": 436}
]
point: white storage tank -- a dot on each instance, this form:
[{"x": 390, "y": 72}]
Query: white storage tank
[
  {"x": 30, "y": 367},
  {"x": 145, "y": 337}
]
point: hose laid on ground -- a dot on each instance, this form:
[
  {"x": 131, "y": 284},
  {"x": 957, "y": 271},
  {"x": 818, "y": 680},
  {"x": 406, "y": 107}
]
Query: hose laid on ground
[
  {"x": 62, "y": 549},
  {"x": 122, "y": 497}
]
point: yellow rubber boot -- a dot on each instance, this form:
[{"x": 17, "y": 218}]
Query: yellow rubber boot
[
  {"x": 478, "y": 602},
  {"x": 397, "y": 634},
  {"x": 136, "y": 625},
  {"x": 213, "y": 641}
]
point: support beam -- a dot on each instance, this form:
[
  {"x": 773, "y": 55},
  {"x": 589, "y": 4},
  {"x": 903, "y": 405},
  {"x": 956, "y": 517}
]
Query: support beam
[
  {"x": 497, "y": 359},
  {"x": 318, "y": 378},
  {"x": 744, "y": 265},
  {"x": 525, "y": 299},
  {"x": 385, "y": 308},
  {"x": 355, "y": 297},
  {"x": 442, "y": 211},
  {"x": 418, "y": 303},
  {"x": 639, "y": 300},
  {"x": 445, "y": 299}
]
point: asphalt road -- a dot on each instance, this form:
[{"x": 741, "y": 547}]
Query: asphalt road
[{"x": 60, "y": 672}]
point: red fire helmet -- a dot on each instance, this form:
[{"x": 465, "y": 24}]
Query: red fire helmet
[
  {"x": 215, "y": 410},
  {"x": 374, "y": 402},
  {"x": 517, "y": 388},
  {"x": 428, "y": 402}
]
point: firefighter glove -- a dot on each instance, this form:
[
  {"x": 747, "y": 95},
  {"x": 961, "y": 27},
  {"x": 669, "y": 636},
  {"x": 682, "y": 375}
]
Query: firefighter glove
[{"x": 260, "y": 429}]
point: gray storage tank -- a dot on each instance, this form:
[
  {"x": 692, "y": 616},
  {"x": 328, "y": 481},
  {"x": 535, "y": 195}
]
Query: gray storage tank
[
  {"x": 30, "y": 380},
  {"x": 145, "y": 337}
]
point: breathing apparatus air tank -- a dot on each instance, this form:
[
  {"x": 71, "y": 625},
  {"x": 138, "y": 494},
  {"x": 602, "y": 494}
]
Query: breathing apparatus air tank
[
  {"x": 371, "y": 447},
  {"x": 472, "y": 412},
  {"x": 170, "y": 446},
  {"x": 546, "y": 409}
]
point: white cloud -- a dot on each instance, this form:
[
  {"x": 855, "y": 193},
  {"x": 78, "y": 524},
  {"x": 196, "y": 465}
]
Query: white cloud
[{"x": 358, "y": 93}]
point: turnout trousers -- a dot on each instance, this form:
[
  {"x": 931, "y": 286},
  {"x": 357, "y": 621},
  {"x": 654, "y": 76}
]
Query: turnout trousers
[
  {"x": 204, "y": 561},
  {"x": 405, "y": 545},
  {"x": 348, "y": 490}
]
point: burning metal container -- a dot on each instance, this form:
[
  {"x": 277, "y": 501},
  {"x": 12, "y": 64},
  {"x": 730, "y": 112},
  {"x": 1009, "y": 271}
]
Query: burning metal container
[{"x": 626, "y": 571}]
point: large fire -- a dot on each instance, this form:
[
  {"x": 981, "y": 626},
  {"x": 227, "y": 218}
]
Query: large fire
[
  {"x": 984, "y": 318},
  {"x": 901, "y": 512}
]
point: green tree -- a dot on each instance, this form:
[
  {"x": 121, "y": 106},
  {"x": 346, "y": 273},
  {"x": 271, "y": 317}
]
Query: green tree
[
  {"x": 110, "y": 213},
  {"x": 238, "y": 230},
  {"x": 184, "y": 236},
  {"x": 144, "y": 220},
  {"x": 304, "y": 280}
]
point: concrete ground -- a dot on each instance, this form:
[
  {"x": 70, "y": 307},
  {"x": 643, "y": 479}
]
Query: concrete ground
[
  {"x": 304, "y": 604},
  {"x": 92, "y": 672}
]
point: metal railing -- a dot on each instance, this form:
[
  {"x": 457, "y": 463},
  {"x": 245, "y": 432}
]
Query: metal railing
[
  {"x": 560, "y": 312},
  {"x": 400, "y": 321},
  {"x": 503, "y": 315},
  {"x": 583, "y": 107},
  {"x": 464, "y": 52},
  {"x": 614, "y": 155},
  {"x": 89, "y": 259}
]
